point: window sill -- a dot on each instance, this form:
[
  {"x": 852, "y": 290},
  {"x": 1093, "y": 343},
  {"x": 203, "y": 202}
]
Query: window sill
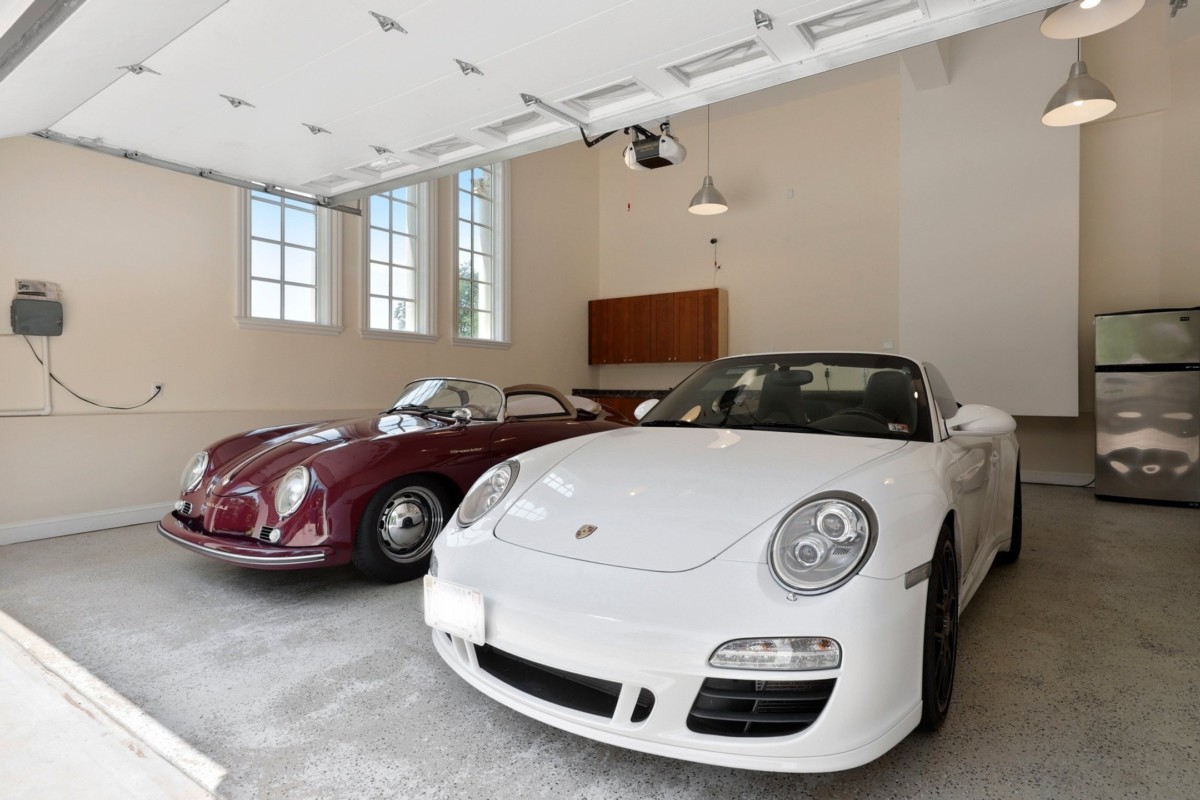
[
  {"x": 397, "y": 336},
  {"x": 490, "y": 343},
  {"x": 287, "y": 326}
]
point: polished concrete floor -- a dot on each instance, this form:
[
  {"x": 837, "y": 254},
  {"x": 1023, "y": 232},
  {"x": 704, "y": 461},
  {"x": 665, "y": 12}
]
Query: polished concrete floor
[{"x": 1079, "y": 675}]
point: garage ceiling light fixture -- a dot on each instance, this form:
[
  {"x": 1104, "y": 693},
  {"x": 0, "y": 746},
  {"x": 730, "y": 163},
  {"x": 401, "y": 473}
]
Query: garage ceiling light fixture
[
  {"x": 1086, "y": 17},
  {"x": 1081, "y": 99},
  {"x": 709, "y": 199}
]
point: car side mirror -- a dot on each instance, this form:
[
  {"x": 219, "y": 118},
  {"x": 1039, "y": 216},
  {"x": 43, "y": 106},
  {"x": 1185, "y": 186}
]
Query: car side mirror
[
  {"x": 977, "y": 420},
  {"x": 644, "y": 408},
  {"x": 461, "y": 416}
]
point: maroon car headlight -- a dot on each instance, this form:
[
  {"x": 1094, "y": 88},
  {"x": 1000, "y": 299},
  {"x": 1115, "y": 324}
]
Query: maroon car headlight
[
  {"x": 487, "y": 492},
  {"x": 194, "y": 472},
  {"x": 820, "y": 545},
  {"x": 291, "y": 490}
]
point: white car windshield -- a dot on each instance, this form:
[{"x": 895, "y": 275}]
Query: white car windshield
[
  {"x": 447, "y": 395},
  {"x": 858, "y": 394}
]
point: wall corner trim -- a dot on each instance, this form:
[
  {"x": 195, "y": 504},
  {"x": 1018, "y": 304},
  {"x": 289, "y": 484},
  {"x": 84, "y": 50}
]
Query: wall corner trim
[{"x": 49, "y": 528}]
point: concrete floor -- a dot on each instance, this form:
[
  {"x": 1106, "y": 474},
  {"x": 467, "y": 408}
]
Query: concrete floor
[{"x": 1079, "y": 675}]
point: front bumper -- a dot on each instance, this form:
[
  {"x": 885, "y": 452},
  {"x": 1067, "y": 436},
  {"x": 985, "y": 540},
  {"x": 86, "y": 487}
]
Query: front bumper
[
  {"x": 654, "y": 632},
  {"x": 245, "y": 552}
]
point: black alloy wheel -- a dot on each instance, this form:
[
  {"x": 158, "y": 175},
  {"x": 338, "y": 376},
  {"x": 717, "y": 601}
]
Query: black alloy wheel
[{"x": 941, "y": 633}]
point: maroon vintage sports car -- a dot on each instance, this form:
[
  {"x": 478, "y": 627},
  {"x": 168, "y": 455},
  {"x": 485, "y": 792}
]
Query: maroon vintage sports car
[{"x": 373, "y": 491}]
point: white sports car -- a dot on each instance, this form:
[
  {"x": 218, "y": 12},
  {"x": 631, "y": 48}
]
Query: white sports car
[{"x": 766, "y": 573}]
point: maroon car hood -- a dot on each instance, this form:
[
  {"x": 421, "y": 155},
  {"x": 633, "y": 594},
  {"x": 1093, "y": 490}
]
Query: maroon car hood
[{"x": 267, "y": 462}]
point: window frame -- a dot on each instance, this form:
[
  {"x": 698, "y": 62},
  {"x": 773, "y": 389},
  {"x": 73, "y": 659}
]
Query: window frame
[
  {"x": 426, "y": 272},
  {"x": 501, "y": 261},
  {"x": 328, "y": 275}
]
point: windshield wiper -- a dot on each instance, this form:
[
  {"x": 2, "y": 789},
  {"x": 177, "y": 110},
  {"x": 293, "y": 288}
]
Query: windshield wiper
[
  {"x": 410, "y": 407},
  {"x": 672, "y": 423}
]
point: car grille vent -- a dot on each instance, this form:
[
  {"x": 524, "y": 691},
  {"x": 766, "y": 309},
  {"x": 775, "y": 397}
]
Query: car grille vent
[
  {"x": 267, "y": 534},
  {"x": 729, "y": 707},
  {"x": 579, "y": 692},
  {"x": 185, "y": 508}
]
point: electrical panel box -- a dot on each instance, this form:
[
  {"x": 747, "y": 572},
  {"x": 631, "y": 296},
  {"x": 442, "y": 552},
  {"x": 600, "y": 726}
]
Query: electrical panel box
[{"x": 37, "y": 317}]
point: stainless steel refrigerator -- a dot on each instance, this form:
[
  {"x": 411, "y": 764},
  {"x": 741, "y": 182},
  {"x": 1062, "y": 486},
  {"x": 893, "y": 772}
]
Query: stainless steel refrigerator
[{"x": 1148, "y": 406}]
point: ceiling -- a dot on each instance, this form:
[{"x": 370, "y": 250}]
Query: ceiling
[{"x": 343, "y": 99}]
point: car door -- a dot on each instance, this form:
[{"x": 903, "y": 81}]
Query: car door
[
  {"x": 534, "y": 416},
  {"x": 973, "y": 467}
]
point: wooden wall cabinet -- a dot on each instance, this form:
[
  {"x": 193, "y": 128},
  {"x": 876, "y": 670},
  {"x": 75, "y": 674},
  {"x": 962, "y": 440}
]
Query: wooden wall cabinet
[{"x": 658, "y": 328}]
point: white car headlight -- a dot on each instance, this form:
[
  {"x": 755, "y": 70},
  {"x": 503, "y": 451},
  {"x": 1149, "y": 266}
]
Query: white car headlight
[
  {"x": 291, "y": 490},
  {"x": 194, "y": 471},
  {"x": 487, "y": 492},
  {"x": 820, "y": 545}
]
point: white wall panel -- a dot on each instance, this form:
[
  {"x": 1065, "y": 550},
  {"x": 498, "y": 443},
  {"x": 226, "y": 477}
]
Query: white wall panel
[{"x": 989, "y": 224}]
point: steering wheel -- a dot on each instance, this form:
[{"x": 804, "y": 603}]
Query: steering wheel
[
  {"x": 874, "y": 416},
  {"x": 476, "y": 411}
]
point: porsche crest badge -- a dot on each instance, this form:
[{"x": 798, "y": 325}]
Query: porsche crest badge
[{"x": 585, "y": 531}]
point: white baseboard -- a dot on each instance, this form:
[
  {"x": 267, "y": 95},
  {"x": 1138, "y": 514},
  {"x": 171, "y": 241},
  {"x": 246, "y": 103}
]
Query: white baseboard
[
  {"x": 81, "y": 523},
  {"x": 1058, "y": 478}
]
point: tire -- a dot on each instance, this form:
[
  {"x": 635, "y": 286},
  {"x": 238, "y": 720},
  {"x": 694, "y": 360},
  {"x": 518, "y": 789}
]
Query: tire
[
  {"x": 940, "y": 651},
  {"x": 1014, "y": 547},
  {"x": 398, "y": 527}
]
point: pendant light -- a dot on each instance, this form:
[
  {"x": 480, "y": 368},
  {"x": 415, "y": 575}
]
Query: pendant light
[
  {"x": 1081, "y": 99},
  {"x": 1085, "y": 17},
  {"x": 708, "y": 200}
]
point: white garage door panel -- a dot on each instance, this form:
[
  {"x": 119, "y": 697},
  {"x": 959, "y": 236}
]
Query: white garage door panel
[{"x": 74, "y": 64}]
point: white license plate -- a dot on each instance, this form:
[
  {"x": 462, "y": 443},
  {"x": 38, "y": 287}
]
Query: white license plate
[{"x": 457, "y": 610}]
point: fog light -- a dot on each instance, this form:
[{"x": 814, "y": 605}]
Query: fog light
[{"x": 792, "y": 653}]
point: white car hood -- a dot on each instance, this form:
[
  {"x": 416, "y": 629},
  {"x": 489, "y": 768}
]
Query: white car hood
[{"x": 671, "y": 499}]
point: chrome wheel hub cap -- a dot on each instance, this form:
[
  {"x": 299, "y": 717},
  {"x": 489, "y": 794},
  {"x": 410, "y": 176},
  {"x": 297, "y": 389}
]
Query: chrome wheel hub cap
[{"x": 404, "y": 525}]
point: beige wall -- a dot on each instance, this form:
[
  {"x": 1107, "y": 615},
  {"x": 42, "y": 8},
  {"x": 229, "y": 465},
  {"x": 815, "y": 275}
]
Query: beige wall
[{"x": 147, "y": 260}]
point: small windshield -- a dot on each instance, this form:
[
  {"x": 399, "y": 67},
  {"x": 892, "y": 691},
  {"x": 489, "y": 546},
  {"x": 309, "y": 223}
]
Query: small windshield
[
  {"x": 855, "y": 394},
  {"x": 447, "y": 395}
]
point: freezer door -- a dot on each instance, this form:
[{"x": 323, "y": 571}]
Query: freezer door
[
  {"x": 1148, "y": 337},
  {"x": 1148, "y": 435}
]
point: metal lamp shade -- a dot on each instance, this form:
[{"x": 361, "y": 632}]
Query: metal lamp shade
[
  {"x": 1073, "y": 21},
  {"x": 708, "y": 200},
  {"x": 1081, "y": 99}
]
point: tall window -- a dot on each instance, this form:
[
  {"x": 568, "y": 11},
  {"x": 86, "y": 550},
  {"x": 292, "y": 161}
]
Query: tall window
[
  {"x": 399, "y": 288},
  {"x": 289, "y": 270},
  {"x": 480, "y": 204}
]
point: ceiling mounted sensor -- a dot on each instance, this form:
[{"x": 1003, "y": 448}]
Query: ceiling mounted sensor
[
  {"x": 1086, "y": 17},
  {"x": 1081, "y": 99},
  {"x": 709, "y": 199}
]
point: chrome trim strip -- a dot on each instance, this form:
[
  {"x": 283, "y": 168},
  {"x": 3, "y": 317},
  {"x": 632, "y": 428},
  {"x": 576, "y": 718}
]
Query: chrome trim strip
[
  {"x": 307, "y": 558},
  {"x": 917, "y": 575}
]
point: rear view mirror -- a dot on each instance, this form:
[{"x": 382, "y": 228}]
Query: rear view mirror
[{"x": 977, "y": 420}]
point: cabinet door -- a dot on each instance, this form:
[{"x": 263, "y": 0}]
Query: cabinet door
[
  {"x": 663, "y": 332},
  {"x": 600, "y": 344},
  {"x": 639, "y": 331},
  {"x": 709, "y": 325},
  {"x": 688, "y": 333},
  {"x": 619, "y": 329}
]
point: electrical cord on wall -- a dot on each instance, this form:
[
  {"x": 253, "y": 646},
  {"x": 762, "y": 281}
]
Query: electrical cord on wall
[{"x": 53, "y": 377}]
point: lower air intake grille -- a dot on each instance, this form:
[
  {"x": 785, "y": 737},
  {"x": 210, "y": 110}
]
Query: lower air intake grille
[
  {"x": 185, "y": 508},
  {"x": 578, "y": 692},
  {"x": 727, "y": 707},
  {"x": 266, "y": 533}
]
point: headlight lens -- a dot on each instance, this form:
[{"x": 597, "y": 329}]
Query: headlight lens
[
  {"x": 820, "y": 545},
  {"x": 790, "y": 653},
  {"x": 487, "y": 492},
  {"x": 194, "y": 471},
  {"x": 291, "y": 490}
]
